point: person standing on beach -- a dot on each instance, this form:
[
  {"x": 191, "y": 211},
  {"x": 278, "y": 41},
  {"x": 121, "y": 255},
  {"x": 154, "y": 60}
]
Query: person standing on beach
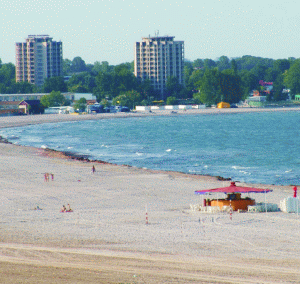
[
  {"x": 52, "y": 177},
  {"x": 93, "y": 169},
  {"x": 46, "y": 175}
]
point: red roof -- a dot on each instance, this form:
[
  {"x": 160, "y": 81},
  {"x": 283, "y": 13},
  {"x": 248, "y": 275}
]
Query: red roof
[{"x": 233, "y": 188}]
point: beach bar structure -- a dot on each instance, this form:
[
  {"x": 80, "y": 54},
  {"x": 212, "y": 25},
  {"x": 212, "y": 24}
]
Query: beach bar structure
[{"x": 233, "y": 198}]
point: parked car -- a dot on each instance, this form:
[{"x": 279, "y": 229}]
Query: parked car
[
  {"x": 233, "y": 106},
  {"x": 107, "y": 109},
  {"x": 124, "y": 109},
  {"x": 97, "y": 108}
]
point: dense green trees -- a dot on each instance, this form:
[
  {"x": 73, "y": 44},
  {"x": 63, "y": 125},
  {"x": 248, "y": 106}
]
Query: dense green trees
[
  {"x": 171, "y": 101},
  {"x": 82, "y": 83},
  {"x": 129, "y": 99},
  {"x": 112, "y": 84},
  {"x": 80, "y": 105},
  {"x": 223, "y": 63},
  {"x": 55, "y": 84},
  {"x": 230, "y": 86},
  {"x": 54, "y": 99},
  {"x": 292, "y": 77},
  {"x": 8, "y": 83},
  {"x": 210, "y": 89},
  {"x": 217, "y": 86}
]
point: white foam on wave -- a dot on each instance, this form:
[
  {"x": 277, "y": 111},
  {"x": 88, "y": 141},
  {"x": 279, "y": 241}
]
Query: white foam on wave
[
  {"x": 239, "y": 168},
  {"x": 245, "y": 173},
  {"x": 139, "y": 154},
  {"x": 44, "y": 147},
  {"x": 194, "y": 171},
  {"x": 12, "y": 137},
  {"x": 169, "y": 150}
]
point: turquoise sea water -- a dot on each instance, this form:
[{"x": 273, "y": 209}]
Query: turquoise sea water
[{"x": 248, "y": 147}]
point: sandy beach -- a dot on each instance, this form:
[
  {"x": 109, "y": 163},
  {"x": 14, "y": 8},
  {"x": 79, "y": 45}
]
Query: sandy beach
[{"x": 106, "y": 239}]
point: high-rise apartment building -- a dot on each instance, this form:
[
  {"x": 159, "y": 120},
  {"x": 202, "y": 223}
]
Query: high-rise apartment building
[
  {"x": 157, "y": 58},
  {"x": 38, "y": 58}
]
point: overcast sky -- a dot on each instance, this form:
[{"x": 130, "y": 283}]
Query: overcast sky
[{"x": 106, "y": 30}]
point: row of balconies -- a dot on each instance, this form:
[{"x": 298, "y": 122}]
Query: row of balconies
[
  {"x": 162, "y": 52},
  {"x": 159, "y": 64},
  {"x": 147, "y": 49},
  {"x": 160, "y": 47},
  {"x": 156, "y": 67},
  {"x": 158, "y": 59},
  {"x": 157, "y": 76}
]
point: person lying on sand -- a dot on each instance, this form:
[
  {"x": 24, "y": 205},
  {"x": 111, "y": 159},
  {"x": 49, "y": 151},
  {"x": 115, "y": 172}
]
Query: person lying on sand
[{"x": 66, "y": 209}]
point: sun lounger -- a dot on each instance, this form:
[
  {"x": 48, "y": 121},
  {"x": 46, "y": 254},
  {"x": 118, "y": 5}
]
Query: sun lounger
[
  {"x": 252, "y": 208},
  {"x": 213, "y": 209},
  {"x": 225, "y": 208}
]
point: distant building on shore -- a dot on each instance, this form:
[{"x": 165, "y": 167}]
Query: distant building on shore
[
  {"x": 37, "y": 59},
  {"x": 10, "y": 103},
  {"x": 157, "y": 58}
]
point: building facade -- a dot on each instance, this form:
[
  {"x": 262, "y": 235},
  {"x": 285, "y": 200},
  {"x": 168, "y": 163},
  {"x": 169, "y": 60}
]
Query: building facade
[
  {"x": 157, "y": 58},
  {"x": 37, "y": 59}
]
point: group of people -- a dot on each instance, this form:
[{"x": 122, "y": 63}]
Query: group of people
[
  {"x": 66, "y": 209},
  {"x": 47, "y": 176}
]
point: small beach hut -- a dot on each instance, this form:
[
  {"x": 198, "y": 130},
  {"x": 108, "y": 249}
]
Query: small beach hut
[
  {"x": 223, "y": 105},
  {"x": 233, "y": 198}
]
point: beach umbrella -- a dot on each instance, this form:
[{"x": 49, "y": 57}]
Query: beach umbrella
[{"x": 233, "y": 188}]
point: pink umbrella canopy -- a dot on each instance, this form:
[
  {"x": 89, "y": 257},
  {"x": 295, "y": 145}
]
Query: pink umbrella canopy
[{"x": 233, "y": 188}]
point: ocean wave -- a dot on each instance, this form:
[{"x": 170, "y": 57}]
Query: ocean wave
[
  {"x": 240, "y": 167},
  {"x": 12, "y": 137},
  {"x": 245, "y": 173}
]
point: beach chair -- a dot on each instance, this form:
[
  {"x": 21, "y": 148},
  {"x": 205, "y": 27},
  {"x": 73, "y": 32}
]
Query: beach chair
[
  {"x": 195, "y": 207},
  {"x": 252, "y": 208},
  {"x": 203, "y": 209},
  {"x": 213, "y": 209},
  {"x": 225, "y": 208}
]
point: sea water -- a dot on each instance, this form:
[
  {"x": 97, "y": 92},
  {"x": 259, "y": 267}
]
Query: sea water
[{"x": 246, "y": 147}]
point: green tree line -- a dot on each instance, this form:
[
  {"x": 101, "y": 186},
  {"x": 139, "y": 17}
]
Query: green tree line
[{"x": 206, "y": 81}]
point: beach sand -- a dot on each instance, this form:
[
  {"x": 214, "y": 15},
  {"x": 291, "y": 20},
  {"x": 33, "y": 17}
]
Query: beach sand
[{"x": 107, "y": 239}]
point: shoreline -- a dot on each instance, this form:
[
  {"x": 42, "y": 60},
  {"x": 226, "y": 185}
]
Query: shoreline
[
  {"x": 51, "y": 153},
  {"x": 16, "y": 121}
]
